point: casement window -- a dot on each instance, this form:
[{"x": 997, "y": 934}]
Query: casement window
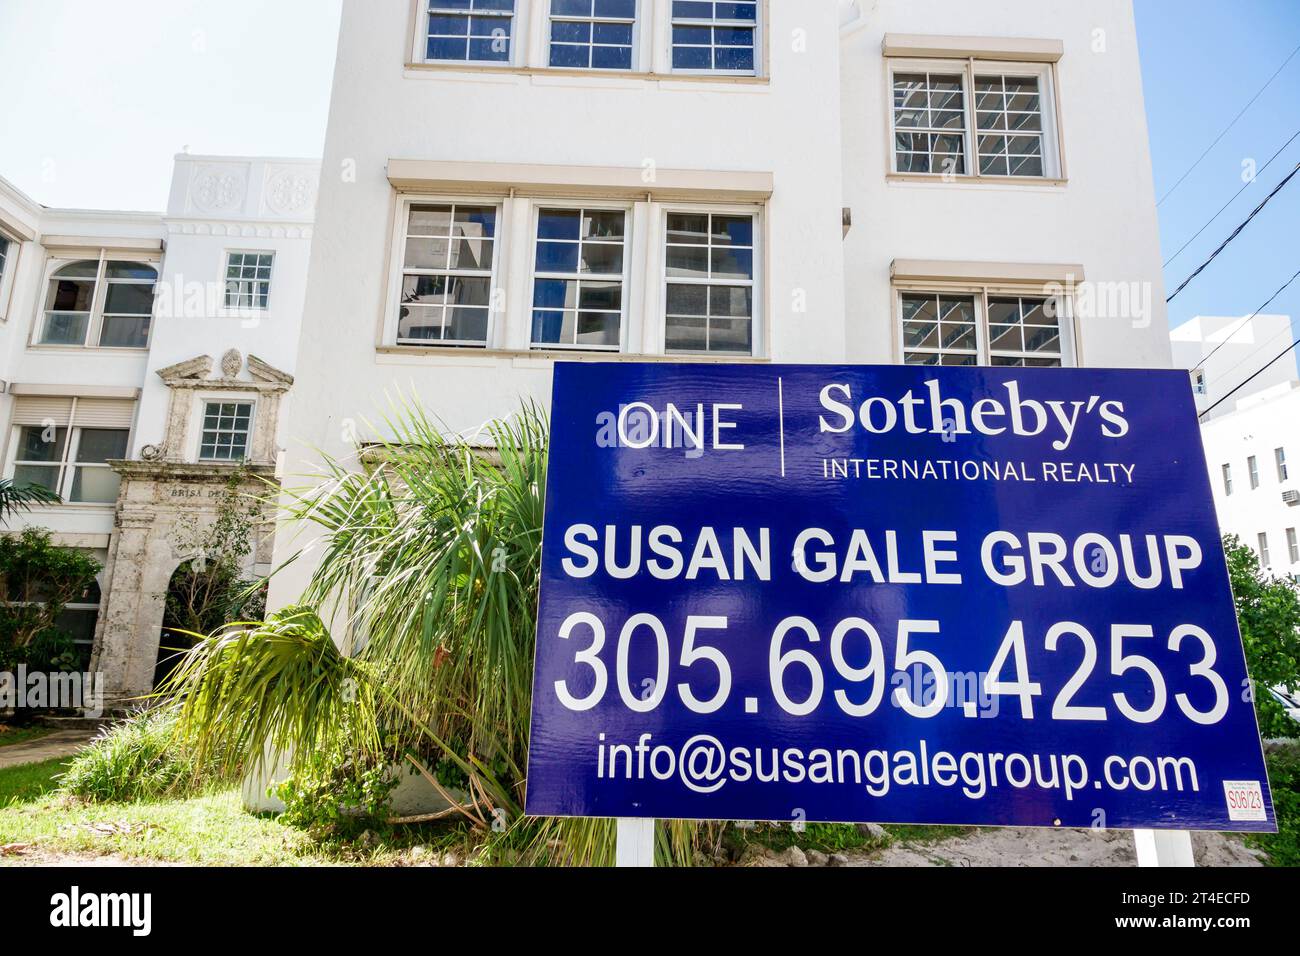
[
  {"x": 593, "y": 34},
  {"x": 4, "y": 258},
  {"x": 1252, "y": 469},
  {"x": 1199, "y": 386},
  {"x": 469, "y": 31},
  {"x": 248, "y": 279},
  {"x": 709, "y": 297},
  {"x": 65, "y": 445},
  {"x": 985, "y": 328},
  {"x": 105, "y": 303},
  {"x": 448, "y": 255},
  {"x": 956, "y": 119},
  {"x": 1292, "y": 546},
  {"x": 1265, "y": 559},
  {"x": 579, "y": 278},
  {"x": 1227, "y": 480},
  {"x": 226, "y": 431},
  {"x": 709, "y": 37},
  {"x": 1279, "y": 456}
]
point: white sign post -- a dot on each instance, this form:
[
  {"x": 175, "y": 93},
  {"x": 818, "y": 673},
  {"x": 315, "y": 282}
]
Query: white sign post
[
  {"x": 636, "y": 843},
  {"x": 1164, "y": 847}
]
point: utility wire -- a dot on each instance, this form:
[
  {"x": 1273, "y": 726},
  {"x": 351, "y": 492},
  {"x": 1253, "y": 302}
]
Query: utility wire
[
  {"x": 1242, "y": 324},
  {"x": 1219, "y": 138},
  {"x": 1244, "y": 187},
  {"x": 1258, "y": 373},
  {"x": 1235, "y": 233}
]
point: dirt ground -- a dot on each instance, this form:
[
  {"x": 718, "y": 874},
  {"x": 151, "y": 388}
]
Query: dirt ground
[{"x": 1049, "y": 848}]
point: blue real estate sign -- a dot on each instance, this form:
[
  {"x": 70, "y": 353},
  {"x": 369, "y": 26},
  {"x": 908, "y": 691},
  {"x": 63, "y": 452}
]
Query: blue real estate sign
[{"x": 893, "y": 594}]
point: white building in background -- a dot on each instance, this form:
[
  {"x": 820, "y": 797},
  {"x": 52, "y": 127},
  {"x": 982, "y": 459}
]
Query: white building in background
[
  {"x": 1254, "y": 457},
  {"x": 1222, "y": 352},
  {"x": 512, "y": 183},
  {"x": 143, "y": 359}
]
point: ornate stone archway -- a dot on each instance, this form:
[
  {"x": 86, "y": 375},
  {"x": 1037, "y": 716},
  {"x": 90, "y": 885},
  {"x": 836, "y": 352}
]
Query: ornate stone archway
[{"x": 166, "y": 490}]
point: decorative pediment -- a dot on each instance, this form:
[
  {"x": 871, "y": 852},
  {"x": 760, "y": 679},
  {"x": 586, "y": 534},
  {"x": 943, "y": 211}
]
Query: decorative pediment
[
  {"x": 199, "y": 367},
  {"x": 196, "y": 373},
  {"x": 267, "y": 373}
]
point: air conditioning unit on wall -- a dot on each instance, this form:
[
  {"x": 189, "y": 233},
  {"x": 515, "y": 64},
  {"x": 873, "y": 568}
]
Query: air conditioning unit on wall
[{"x": 1291, "y": 497}]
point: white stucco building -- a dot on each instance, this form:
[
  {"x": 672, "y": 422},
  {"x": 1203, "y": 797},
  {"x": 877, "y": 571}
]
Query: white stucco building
[
  {"x": 1254, "y": 458},
  {"x": 509, "y": 183},
  {"x": 143, "y": 358},
  {"x": 1223, "y": 352},
  {"x": 1250, "y": 425}
]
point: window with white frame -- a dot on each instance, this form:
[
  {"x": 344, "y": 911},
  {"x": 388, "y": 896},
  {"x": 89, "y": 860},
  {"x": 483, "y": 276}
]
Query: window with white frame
[
  {"x": 715, "y": 37},
  {"x": 105, "y": 302},
  {"x": 579, "y": 278},
  {"x": 1265, "y": 559},
  {"x": 469, "y": 31},
  {"x": 1252, "y": 471},
  {"x": 593, "y": 34},
  {"x": 709, "y": 296},
  {"x": 71, "y": 461},
  {"x": 986, "y": 328},
  {"x": 1279, "y": 457},
  {"x": 1292, "y": 546},
  {"x": 4, "y": 258},
  {"x": 226, "y": 430},
  {"x": 1227, "y": 479},
  {"x": 982, "y": 119},
  {"x": 1199, "y": 386},
  {"x": 248, "y": 279},
  {"x": 448, "y": 252},
  {"x": 929, "y": 123}
]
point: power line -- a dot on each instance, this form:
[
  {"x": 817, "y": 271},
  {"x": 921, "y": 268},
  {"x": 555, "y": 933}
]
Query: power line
[
  {"x": 1242, "y": 324},
  {"x": 1235, "y": 233},
  {"x": 1257, "y": 374},
  {"x": 1219, "y": 138},
  {"x": 1246, "y": 186}
]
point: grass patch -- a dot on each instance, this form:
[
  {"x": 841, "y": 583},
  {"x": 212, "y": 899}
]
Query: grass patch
[
  {"x": 27, "y": 781},
  {"x": 10, "y": 734},
  {"x": 211, "y": 829}
]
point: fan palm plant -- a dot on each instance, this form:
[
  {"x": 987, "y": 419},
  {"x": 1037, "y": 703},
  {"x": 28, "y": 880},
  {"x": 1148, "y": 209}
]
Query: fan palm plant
[
  {"x": 428, "y": 576},
  {"x": 22, "y": 497}
]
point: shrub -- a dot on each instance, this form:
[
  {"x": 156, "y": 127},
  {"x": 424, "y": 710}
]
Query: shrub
[{"x": 138, "y": 758}]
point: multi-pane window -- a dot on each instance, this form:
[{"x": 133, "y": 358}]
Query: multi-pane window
[
  {"x": 710, "y": 283},
  {"x": 945, "y": 329},
  {"x": 1199, "y": 386},
  {"x": 715, "y": 37},
  {"x": 1264, "y": 558},
  {"x": 930, "y": 123},
  {"x": 4, "y": 257},
  {"x": 973, "y": 121},
  {"x": 1292, "y": 546},
  {"x": 101, "y": 302},
  {"x": 1009, "y": 118},
  {"x": 226, "y": 430},
  {"x": 475, "y": 31},
  {"x": 248, "y": 279},
  {"x": 592, "y": 34},
  {"x": 1227, "y": 480},
  {"x": 578, "y": 278},
  {"x": 446, "y": 290},
  {"x": 72, "y": 462},
  {"x": 1279, "y": 456},
  {"x": 939, "y": 330},
  {"x": 1252, "y": 469},
  {"x": 1022, "y": 332}
]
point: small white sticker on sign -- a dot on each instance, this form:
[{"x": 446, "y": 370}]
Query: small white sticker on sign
[{"x": 1245, "y": 799}]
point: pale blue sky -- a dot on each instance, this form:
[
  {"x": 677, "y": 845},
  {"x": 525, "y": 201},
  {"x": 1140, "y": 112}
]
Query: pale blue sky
[{"x": 99, "y": 95}]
